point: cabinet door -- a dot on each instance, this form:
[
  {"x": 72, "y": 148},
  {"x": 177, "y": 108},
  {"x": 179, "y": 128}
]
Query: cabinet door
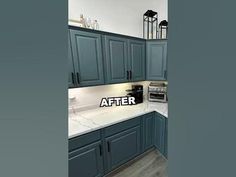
[
  {"x": 148, "y": 130},
  {"x": 137, "y": 60},
  {"x": 87, "y": 55},
  {"x": 71, "y": 71},
  {"x": 159, "y": 133},
  {"x": 86, "y": 161},
  {"x": 116, "y": 50},
  {"x": 122, "y": 147},
  {"x": 166, "y": 139},
  {"x": 156, "y": 60}
]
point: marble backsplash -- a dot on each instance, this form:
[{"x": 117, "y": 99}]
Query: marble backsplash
[{"x": 90, "y": 97}]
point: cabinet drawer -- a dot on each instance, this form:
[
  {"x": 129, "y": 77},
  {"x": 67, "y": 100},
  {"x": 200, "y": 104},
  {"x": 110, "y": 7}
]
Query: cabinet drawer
[
  {"x": 83, "y": 140},
  {"x": 122, "y": 126}
]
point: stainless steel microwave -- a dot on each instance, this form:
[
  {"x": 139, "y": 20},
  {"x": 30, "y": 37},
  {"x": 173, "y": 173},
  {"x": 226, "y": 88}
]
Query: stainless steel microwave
[{"x": 157, "y": 92}]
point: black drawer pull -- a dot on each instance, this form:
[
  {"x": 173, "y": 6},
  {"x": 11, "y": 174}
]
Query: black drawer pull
[
  {"x": 108, "y": 146},
  {"x": 130, "y": 74},
  {"x": 100, "y": 149},
  {"x": 127, "y": 75},
  {"x": 73, "y": 78},
  {"x": 77, "y": 77}
]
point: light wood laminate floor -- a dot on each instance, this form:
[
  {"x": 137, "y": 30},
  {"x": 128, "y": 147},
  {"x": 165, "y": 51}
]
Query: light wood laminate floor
[{"x": 153, "y": 164}]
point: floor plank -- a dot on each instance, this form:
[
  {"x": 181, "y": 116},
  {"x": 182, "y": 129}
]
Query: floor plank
[{"x": 152, "y": 164}]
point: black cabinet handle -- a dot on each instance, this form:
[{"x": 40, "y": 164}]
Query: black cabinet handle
[
  {"x": 108, "y": 146},
  {"x": 73, "y": 78},
  {"x": 130, "y": 74},
  {"x": 77, "y": 77},
  {"x": 127, "y": 75},
  {"x": 100, "y": 149},
  {"x": 165, "y": 74}
]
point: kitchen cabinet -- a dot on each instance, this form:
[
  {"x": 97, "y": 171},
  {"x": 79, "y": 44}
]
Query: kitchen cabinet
[
  {"x": 137, "y": 60},
  {"x": 98, "y": 58},
  {"x": 125, "y": 59},
  {"x": 87, "y": 57},
  {"x": 165, "y": 153},
  {"x": 161, "y": 134},
  {"x": 148, "y": 130},
  {"x": 71, "y": 70},
  {"x": 122, "y": 147},
  {"x": 116, "y": 52},
  {"x": 86, "y": 161},
  {"x": 156, "y": 60},
  {"x": 99, "y": 152}
]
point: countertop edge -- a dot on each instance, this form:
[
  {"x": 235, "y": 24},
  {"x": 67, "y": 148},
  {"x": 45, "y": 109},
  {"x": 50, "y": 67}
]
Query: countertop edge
[{"x": 113, "y": 123}]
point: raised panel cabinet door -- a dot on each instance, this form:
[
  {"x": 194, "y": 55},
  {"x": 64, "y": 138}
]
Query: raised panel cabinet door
[
  {"x": 156, "y": 67},
  {"x": 148, "y": 130},
  {"x": 116, "y": 50},
  {"x": 166, "y": 139},
  {"x": 88, "y": 59},
  {"x": 122, "y": 147},
  {"x": 159, "y": 133},
  {"x": 86, "y": 161},
  {"x": 71, "y": 71},
  {"x": 137, "y": 60}
]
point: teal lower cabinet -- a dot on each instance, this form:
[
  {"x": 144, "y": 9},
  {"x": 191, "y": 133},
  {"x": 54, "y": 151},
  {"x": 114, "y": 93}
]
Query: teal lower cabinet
[
  {"x": 148, "y": 129},
  {"x": 161, "y": 134},
  {"x": 85, "y": 155},
  {"x": 165, "y": 153},
  {"x": 122, "y": 147},
  {"x": 86, "y": 161},
  {"x": 99, "y": 152}
]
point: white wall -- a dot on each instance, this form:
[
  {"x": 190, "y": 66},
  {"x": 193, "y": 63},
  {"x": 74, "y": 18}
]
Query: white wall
[{"x": 118, "y": 16}]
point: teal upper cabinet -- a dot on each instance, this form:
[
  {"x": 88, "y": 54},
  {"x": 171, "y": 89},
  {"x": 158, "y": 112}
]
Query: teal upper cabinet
[
  {"x": 156, "y": 52},
  {"x": 97, "y": 58},
  {"x": 88, "y": 59},
  {"x": 116, "y": 52},
  {"x": 137, "y": 60},
  {"x": 71, "y": 71}
]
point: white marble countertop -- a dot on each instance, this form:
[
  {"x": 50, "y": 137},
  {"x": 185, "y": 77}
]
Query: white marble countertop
[{"x": 81, "y": 122}]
